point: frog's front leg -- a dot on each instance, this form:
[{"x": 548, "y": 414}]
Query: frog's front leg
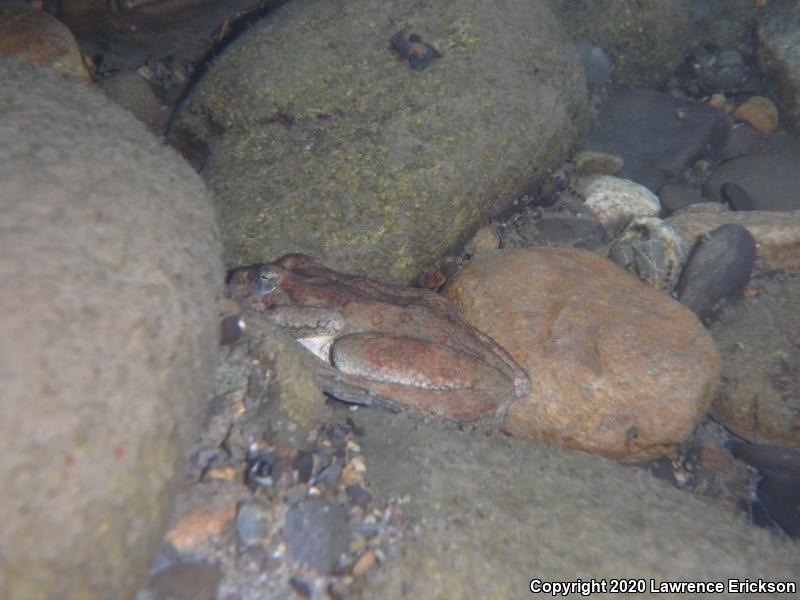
[
  {"x": 431, "y": 377},
  {"x": 314, "y": 327}
]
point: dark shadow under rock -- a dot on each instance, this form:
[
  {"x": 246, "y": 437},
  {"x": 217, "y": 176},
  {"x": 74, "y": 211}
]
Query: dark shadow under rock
[
  {"x": 772, "y": 461},
  {"x": 781, "y": 497}
]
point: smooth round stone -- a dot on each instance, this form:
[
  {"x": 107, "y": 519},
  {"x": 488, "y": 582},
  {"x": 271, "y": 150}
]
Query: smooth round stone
[
  {"x": 616, "y": 367},
  {"x": 777, "y": 234},
  {"x": 771, "y": 460},
  {"x": 657, "y": 135},
  {"x": 771, "y": 180},
  {"x": 760, "y": 112},
  {"x": 40, "y": 37},
  {"x": 133, "y": 93},
  {"x": 652, "y": 250},
  {"x": 185, "y": 581},
  {"x": 615, "y": 201},
  {"x": 745, "y": 140},
  {"x": 591, "y": 162},
  {"x": 674, "y": 197},
  {"x": 719, "y": 266},
  {"x": 253, "y": 520}
]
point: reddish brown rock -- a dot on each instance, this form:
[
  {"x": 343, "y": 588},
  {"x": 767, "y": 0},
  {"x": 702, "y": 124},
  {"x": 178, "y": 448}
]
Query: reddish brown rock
[
  {"x": 41, "y": 38},
  {"x": 760, "y": 112},
  {"x": 777, "y": 233},
  {"x": 197, "y": 526},
  {"x": 617, "y": 368}
]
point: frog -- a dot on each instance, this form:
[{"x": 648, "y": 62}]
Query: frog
[{"x": 408, "y": 345}]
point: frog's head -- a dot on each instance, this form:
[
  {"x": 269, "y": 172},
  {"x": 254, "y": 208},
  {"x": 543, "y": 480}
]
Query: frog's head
[{"x": 256, "y": 284}]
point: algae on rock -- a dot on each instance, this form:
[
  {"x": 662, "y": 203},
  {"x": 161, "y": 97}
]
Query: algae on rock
[{"x": 317, "y": 138}]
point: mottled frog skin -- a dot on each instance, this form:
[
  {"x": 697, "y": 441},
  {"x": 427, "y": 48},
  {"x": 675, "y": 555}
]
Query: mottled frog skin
[{"x": 408, "y": 345}]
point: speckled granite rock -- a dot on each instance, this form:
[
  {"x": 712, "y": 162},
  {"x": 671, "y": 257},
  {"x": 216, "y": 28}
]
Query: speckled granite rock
[
  {"x": 317, "y": 138},
  {"x": 109, "y": 271}
]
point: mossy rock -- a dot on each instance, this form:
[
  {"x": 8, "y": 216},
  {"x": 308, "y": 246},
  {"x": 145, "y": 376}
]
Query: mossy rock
[
  {"x": 316, "y": 137},
  {"x": 645, "y": 38}
]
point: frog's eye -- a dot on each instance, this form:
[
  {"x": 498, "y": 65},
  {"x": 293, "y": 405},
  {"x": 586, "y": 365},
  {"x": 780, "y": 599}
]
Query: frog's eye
[{"x": 265, "y": 282}]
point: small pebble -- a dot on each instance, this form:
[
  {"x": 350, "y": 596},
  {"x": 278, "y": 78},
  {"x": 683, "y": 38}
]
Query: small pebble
[
  {"x": 350, "y": 476},
  {"x": 718, "y": 266},
  {"x": 364, "y": 563},
  {"x": 301, "y": 586},
  {"x": 652, "y": 250},
  {"x": 592, "y": 162},
  {"x": 329, "y": 476},
  {"x": 760, "y": 112},
  {"x": 302, "y": 466},
  {"x": 253, "y": 523},
  {"x": 187, "y": 581},
  {"x": 484, "y": 242},
  {"x": 359, "y": 495}
]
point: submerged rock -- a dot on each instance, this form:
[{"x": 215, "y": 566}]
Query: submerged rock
[
  {"x": 316, "y": 137},
  {"x": 657, "y": 135},
  {"x": 778, "y": 37},
  {"x": 770, "y": 180},
  {"x": 491, "y": 512},
  {"x": 616, "y": 368},
  {"x": 109, "y": 272},
  {"x": 719, "y": 266},
  {"x": 759, "y": 395},
  {"x": 651, "y": 250},
  {"x": 615, "y": 201},
  {"x": 777, "y": 234}
]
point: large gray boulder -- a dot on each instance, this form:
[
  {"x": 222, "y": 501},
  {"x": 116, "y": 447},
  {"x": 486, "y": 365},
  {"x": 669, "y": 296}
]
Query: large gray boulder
[
  {"x": 109, "y": 271},
  {"x": 646, "y": 39},
  {"x": 489, "y": 514},
  {"x": 778, "y": 40},
  {"x": 317, "y": 138}
]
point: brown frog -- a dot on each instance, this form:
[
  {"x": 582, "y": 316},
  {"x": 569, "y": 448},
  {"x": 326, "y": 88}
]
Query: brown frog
[{"x": 408, "y": 345}]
